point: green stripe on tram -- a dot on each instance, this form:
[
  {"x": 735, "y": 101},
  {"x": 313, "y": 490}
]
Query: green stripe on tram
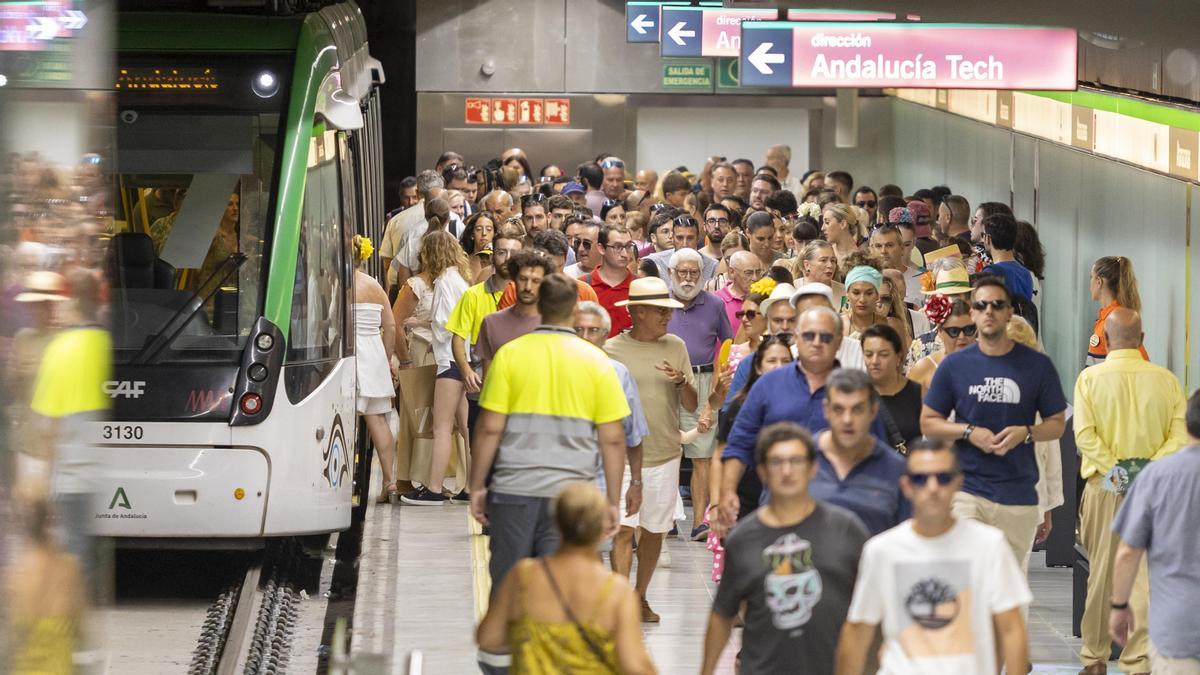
[
  {"x": 1180, "y": 118},
  {"x": 315, "y": 57}
]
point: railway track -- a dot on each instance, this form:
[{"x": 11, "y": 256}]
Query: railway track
[{"x": 249, "y": 627}]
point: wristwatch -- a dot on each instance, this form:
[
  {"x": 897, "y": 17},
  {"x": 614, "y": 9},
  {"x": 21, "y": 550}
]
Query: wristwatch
[
  {"x": 635, "y": 483},
  {"x": 967, "y": 433},
  {"x": 1119, "y": 605},
  {"x": 1028, "y": 434}
]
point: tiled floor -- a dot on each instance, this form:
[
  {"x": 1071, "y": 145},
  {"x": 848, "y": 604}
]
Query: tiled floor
[{"x": 416, "y": 592}]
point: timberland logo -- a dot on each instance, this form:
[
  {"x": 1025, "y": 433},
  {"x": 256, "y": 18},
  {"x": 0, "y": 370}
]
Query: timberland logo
[
  {"x": 119, "y": 500},
  {"x": 996, "y": 390}
]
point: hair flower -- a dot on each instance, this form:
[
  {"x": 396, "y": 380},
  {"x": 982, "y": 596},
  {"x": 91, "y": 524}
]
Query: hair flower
[
  {"x": 365, "y": 248},
  {"x": 763, "y": 286}
]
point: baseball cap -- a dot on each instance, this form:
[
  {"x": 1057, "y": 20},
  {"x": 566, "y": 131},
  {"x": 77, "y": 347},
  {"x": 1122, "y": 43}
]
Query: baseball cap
[{"x": 573, "y": 188}]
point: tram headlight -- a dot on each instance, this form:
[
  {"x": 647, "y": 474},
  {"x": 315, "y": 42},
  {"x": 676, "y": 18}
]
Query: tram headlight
[
  {"x": 264, "y": 342},
  {"x": 257, "y": 372},
  {"x": 251, "y": 404},
  {"x": 265, "y": 84}
]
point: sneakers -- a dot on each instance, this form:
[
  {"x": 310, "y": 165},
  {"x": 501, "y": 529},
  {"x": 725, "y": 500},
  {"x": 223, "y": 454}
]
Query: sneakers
[
  {"x": 664, "y": 557},
  {"x": 648, "y": 615},
  {"x": 461, "y": 498},
  {"x": 700, "y": 533},
  {"x": 423, "y": 497}
]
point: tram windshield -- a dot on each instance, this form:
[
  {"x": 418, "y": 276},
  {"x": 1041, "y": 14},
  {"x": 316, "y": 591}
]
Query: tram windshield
[{"x": 186, "y": 266}]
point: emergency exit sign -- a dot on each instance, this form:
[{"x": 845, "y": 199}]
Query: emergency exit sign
[{"x": 693, "y": 75}]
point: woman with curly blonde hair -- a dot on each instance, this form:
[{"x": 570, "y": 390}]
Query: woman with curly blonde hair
[
  {"x": 375, "y": 336},
  {"x": 445, "y": 262}
]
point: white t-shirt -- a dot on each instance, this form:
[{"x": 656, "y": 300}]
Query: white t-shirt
[
  {"x": 447, "y": 291},
  {"x": 912, "y": 287},
  {"x": 936, "y": 597}
]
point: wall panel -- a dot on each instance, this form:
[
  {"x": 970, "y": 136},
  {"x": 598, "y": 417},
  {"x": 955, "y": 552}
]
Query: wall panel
[{"x": 1087, "y": 207}]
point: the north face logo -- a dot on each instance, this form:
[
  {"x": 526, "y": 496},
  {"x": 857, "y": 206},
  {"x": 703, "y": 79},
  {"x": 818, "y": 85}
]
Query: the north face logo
[{"x": 996, "y": 390}]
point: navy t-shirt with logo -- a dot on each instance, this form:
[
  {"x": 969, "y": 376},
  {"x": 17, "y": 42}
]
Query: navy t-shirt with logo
[{"x": 994, "y": 392}]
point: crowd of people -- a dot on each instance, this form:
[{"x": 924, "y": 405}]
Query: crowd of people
[{"x": 846, "y": 383}]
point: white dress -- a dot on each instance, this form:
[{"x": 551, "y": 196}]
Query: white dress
[
  {"x": 374, "y": 373},
  {"x": 420, "y": 323}
]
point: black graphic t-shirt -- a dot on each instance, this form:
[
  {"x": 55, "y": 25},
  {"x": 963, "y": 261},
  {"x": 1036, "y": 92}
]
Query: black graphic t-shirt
[
  {"x": 994, "y": 392},
  {"x": 797, "y": 582}
]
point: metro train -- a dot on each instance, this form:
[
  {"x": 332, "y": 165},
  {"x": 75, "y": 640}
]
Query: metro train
[{"x": 248, "y": 154}]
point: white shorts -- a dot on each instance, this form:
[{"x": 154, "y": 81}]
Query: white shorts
[
  {"x": 660, "y": 493},
  {"x": 373, "y": 405}
]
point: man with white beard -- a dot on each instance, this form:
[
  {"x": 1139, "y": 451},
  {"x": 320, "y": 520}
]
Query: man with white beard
[{"x": 703, "y": 325}]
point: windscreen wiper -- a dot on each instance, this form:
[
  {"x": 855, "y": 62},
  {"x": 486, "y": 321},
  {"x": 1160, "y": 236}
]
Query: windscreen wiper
[{"x": 174, "y": 327}]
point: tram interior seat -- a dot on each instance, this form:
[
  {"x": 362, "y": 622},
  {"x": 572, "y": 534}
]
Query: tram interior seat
[{"x": 133, "y": 263}]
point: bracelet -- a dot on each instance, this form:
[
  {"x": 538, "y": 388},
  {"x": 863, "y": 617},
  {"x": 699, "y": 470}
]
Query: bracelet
[
  {"x": 405, "y": 362},
  {"x": 1120, "y": 605},
  {"x": 635, "y": 483}
]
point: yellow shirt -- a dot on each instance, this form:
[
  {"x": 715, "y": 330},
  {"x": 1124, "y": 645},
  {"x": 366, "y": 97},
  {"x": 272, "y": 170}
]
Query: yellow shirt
[
  {"x": 473, "y": 307},
  {"x": 1127, "y": 408},
  {"x": 75, "y": 366}
]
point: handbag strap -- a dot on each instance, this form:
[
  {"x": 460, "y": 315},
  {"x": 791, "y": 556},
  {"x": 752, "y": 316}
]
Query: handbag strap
[{"x": 599, "y": 653}]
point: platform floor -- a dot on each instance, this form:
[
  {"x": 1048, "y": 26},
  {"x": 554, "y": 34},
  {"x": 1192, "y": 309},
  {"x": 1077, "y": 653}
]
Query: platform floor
[{"x": 423, "y": 581}]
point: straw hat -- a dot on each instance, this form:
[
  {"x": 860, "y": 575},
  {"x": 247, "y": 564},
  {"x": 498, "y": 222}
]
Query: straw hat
[
  {"x": 43, "y": 286},
  {"x": 782, "y": 292},
  {"x": 949, "y": 282},
  {"x": 650, "y": 291}
]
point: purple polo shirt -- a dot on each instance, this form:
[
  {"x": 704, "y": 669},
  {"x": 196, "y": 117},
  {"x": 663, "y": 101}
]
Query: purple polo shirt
[
  {"x": 703, "y": 326},
  {"x": 732, "y": 305}
]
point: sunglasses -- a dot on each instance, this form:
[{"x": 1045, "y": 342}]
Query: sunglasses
[
  {"x": 750, "y": 314},
  {"x": 982, "y": 305},
  {"x": 534, "y": 198},
  {"x": 955, "y": 331},
  {"x": 866, "y": 204},
  {"x": 582, "y": 244},
  {"x": 685, "y": 221},
  {"x": 612, "y": 164},
  {"x": 609, "y": 203},
  {"x": 660, "y": 206},
  {"x": 942, "y": 477},
  {"x": 810, "y": 337}
]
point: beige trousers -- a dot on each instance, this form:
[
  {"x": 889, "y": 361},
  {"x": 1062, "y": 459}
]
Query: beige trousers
[
  {"x": 1168, "y": 666},
  {"x": 1097, "y": 509},
  {"x": 1018, "y": 523}
]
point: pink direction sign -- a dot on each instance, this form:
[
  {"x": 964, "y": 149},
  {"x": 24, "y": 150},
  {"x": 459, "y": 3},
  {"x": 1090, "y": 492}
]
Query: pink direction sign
[
  {"x": 838, "y": 15},
  {"x": 875, "y": 55},
  {"x": 723, "y": 29}
]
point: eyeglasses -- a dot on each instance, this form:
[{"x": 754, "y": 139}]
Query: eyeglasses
[
  {"x": 628, "y": 246},
  {"x": 747, "y": 314},
  {"x": 687, "y": 274},
  {"x": 588, "y": 330},
  {"x": 982, "y": 305},
  {"x": 612, "y": 164},
  {"x": 943, "y": 477},
  {"x": 716, "y": 221},
  {"x": 810, "y": 336},
  {"x": 865, "y": 204},
  {"x": 533, "y": 199},
  {"x": 756, "y": 273},
  {"x": 792, "y": 462},
  {"x": 955, "y": 331}
]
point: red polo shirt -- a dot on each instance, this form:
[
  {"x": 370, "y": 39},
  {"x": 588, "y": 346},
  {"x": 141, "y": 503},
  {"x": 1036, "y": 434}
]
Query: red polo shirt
[{"x": 609, "y": 296}]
